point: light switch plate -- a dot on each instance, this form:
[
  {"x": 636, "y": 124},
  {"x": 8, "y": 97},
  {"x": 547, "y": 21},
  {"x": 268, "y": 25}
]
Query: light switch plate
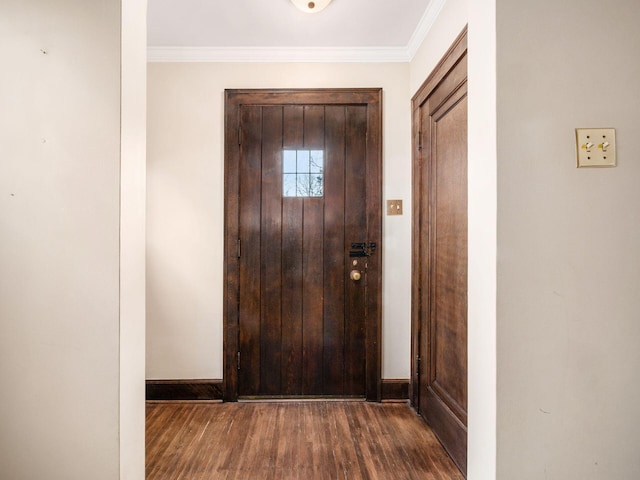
[
  {"x": 596, "y": 147},
  {"x": 394, "y": 207}
]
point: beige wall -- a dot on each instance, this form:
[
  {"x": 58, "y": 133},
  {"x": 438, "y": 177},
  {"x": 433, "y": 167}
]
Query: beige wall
[
  {"x": 60, "y": 131},
  {"x": 185, "y": 205},
  {"x": 568, "y": 242}
]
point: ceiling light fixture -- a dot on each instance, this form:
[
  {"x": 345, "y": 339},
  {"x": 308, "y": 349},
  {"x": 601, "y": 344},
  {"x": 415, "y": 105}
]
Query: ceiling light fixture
[{"x": 311, "y": 6}]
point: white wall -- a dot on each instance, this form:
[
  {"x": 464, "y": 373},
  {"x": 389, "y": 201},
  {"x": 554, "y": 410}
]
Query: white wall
[
  {"x": 185, "y": 205},
  {"x": 132, "y": 239},
  {"x": 568, "y": 242},
  {"x": 482, "y": 137},
  {"x": 60, "y": 133}
]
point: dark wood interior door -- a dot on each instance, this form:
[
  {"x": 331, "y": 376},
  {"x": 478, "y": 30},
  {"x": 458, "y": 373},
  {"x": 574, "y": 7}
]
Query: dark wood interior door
[
  {"x": 307, "y": 248},
  {"x": 440, "y": 251}
]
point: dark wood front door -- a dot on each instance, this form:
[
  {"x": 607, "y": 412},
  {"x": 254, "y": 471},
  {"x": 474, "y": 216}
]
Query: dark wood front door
[
  {"x": 302, "y": 244},
  {"x": 440, "y": 252}
]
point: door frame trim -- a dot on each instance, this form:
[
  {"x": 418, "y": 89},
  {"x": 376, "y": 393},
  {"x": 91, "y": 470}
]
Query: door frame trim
[{"x": 234, "y": 99}]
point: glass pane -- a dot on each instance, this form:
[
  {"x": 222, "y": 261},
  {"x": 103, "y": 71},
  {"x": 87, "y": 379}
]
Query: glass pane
[
  {"x": 310, "y": 185},
  {"x": 289, "y": 163},
  {"x": 289, "y": 185},
  {"x": 302, "y": 182},
  {"x": 303, "y": 161},
  {"x": 316, "y": 161},
  {"x": 316, "y": 183}
]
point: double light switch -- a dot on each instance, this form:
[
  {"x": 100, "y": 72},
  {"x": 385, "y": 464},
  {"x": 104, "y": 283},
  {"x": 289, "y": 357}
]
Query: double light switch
[{"x": 596, "y": 147}]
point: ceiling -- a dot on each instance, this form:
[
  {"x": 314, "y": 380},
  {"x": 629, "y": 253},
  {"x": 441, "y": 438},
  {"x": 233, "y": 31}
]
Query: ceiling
[{"x": 278, "y": 24}]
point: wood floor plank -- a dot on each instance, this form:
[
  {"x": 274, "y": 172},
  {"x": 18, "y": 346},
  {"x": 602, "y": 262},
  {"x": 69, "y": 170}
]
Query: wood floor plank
[{"x": 292, "y": 440}]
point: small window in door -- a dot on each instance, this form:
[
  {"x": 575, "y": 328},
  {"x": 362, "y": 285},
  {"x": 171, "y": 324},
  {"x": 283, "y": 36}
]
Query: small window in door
[{"x": 302, "y": 173}]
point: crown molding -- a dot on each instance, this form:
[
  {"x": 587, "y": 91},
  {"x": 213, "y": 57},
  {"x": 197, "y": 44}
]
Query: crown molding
[
  {"x": 278, "y": 54},
  {"x": 424, "y": 26},
  {"x": 303, "y": 54}
]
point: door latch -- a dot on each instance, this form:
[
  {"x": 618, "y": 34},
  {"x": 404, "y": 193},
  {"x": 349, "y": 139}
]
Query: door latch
[{"x": 362, "y": 249}]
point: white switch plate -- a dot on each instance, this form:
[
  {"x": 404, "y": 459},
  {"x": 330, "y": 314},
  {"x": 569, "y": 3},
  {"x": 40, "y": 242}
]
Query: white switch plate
[{"x": 596, "y": 147}]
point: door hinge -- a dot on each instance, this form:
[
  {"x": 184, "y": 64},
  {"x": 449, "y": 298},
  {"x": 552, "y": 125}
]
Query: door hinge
[
  {"x": 238, "y": 360},
  {"x": 418, "y": 361},
  {"x": 239, "y": 248},
  {"x": 419, "y": 141}
]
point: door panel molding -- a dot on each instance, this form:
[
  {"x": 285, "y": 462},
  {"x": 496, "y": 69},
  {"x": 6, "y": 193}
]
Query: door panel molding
[{"x": 235, "y": 101}]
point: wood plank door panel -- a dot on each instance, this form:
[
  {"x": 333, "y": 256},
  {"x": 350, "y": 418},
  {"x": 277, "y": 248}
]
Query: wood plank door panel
[
  {"x": 302, "y": 326},
  {"x": 271, "y": 234},
  {"x": 292, "y": 267},
  {"x": 313, "y": 252},
  {"x": 250, "y": 266},
  {"x": 335, "y": 283},
  {"x": 440, "y": 249},
  {"x": 355, "y": 227}
]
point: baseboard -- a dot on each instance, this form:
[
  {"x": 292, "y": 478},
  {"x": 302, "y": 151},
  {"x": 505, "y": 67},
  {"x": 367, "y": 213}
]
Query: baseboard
[
  {"x": 395, "y": 389},
  {"x": 184, "y": 390},
  {"x": 392, "y": 389}
]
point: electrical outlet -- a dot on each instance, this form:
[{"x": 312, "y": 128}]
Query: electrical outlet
[{"x": 596, "y": 147}]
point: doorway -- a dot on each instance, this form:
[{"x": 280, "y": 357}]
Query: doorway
[
  {"x": 302, "y": 243},
  {"x": 439, "y": 296}
]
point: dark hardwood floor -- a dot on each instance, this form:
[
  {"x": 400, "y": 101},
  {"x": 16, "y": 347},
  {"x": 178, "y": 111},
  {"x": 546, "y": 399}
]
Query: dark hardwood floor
[{"x": 292, "y": 440}]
